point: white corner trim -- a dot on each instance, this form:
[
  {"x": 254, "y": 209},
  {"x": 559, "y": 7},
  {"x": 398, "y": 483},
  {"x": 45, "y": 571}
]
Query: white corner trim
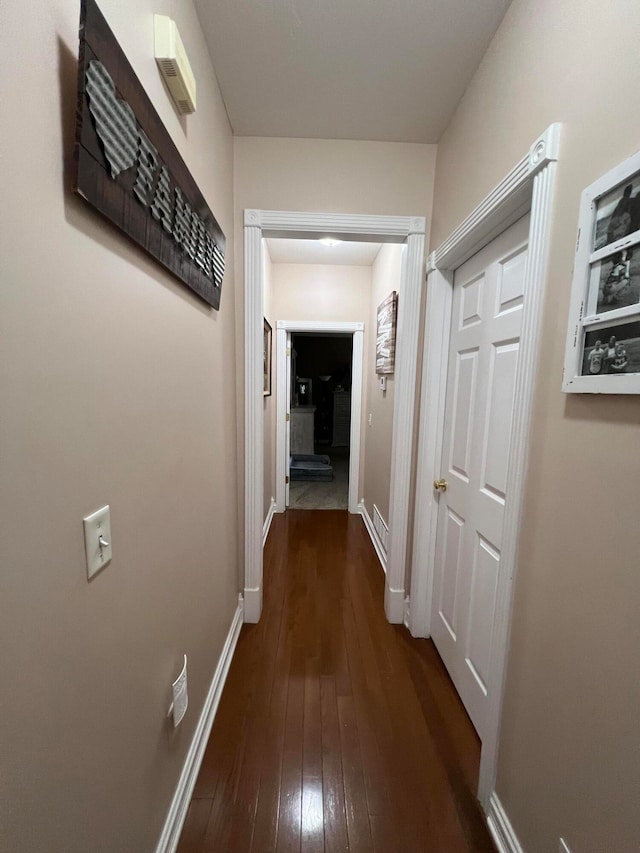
[
  {"x": 373, "y": 535},
  {"x": 253, "y": 419},
  {"x": 268, "y": 520},
  {"x": 500, "y": 828},
  {"x": 404, "y": 407},
  {"x": 177, "y": 813},
  {"x": 430, "y": 431}
]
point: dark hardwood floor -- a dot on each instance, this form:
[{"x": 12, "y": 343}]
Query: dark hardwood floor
[{"x": 336, "y": 731}]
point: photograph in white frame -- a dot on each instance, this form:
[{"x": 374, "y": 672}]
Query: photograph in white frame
[
  {"x": 614, "y": 283},
  {"x": 612, "y": 350},
  {"x": 603, "y": 339},
  {"x": 618, "y": 213}
]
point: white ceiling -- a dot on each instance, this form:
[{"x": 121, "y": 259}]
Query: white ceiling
[
  {"x": 284, "y": 251},
  {"x": 389, "y": 70}
]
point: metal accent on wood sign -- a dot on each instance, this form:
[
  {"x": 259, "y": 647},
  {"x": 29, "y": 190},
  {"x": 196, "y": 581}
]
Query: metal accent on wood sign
[{"x": 129, "y": 169}]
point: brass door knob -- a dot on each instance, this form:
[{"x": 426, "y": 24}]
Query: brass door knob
[{"x": 440, "y": 485}]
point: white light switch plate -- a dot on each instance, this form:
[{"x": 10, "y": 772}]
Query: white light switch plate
[{"x": 97, "y": 532}]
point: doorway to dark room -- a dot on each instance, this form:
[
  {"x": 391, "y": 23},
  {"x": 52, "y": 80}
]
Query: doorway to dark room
[{"x": 320, "y": 425}]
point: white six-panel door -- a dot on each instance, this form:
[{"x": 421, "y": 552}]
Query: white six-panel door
[{"x": 485, "y": 339}]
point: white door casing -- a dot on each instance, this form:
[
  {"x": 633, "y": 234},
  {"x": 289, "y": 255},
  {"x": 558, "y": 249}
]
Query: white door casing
[
  {"x": 287, "y": 426},
  {"x": 283, "y": 402},
  {"x": 379, "y": 229},
  {"x": 486, "y": 321},
  {"x": 527, "y": 187}
]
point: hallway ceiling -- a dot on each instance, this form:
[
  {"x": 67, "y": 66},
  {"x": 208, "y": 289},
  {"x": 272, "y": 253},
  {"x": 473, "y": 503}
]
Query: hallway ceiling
[
  {"x": 347, "y": 253},
  {"x": 392, "y": 70}
]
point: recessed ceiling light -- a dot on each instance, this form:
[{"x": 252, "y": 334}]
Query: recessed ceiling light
[{"x": 330, "y": 241}]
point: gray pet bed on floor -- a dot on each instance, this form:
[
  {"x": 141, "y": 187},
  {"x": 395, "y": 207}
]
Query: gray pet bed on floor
[{"x": 316, "y": 467}]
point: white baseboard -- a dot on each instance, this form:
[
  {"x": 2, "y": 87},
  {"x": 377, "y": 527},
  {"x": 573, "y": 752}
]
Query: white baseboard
[
  {"x": 267, "y": 522},
  {"x": 375, "y": 539},
  {"x": 252, "y": 604},
  {"x": 394, "y": 605},
  {"x": 500, "y": 828},
  {"x": 184, "y": 790}
]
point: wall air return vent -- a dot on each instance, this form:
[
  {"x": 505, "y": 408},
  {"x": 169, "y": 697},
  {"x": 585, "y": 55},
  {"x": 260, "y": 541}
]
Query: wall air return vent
[{"x": 174, "y": 65}]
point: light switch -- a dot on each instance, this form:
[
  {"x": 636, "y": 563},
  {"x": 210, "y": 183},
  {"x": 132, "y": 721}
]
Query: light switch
[{"x": 97, "y": 540}]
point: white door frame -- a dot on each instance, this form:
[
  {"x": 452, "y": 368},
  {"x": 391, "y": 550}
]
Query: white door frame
[
  {"x": 356, "y": 330},
  {"x": 529, "y": 186},
  {"x": 379, "y": 229}
]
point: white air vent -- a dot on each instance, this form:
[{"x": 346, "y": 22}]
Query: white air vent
[
  {"x": 174, "y": 65},
  {"x": 380, "y": 527}
]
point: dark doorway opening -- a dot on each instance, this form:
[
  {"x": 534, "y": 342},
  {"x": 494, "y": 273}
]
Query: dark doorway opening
[{"x": 320, "y": 420}]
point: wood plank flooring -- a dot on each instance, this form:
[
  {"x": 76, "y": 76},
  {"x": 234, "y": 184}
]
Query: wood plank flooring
[{"x": 336, "y": 731}]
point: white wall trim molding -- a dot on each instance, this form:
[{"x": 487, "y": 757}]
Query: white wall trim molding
[
  {"x": 529, "y": 186},
  {"x": 430, "y": 438},
  {"x": 282, "y": 391},
  {"x": 500, "y": 828},
  {"x": 510, "y": 199},
  {"x": 383, "y": 229},
  {"x": 355, "y": 426},
  {"x": 319, "y": 326},
  {"x": 286, "y": 223},
  {"x": 177, "y": 813},
  {"x": 373, "y": 535},
  {"x": 267, "y": 522},
  {"x": 253, "y": 421}
]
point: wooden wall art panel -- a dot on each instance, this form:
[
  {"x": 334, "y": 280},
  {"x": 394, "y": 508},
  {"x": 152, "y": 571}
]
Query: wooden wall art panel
[{"x": 129, "y": 169}]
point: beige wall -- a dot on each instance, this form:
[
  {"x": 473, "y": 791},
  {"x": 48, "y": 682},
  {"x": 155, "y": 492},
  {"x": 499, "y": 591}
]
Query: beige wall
[
  {"x": 321, "y": 292},
  {"x": 333, "y": 176},
  {"x": 269, "y": 402},
  {"x": 568, "y": 762},
  {"x": 386, "y": 276},
  {"x": 330, "y": 293},
  {"x": 118, "y": 386}
]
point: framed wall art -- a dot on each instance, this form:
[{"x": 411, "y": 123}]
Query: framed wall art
[
  {"x": 266, "y": 359},
  {"x": 603, "y": 340},
  {"x": 386, "y": 334},
  {"x": 128, "y": 168}
]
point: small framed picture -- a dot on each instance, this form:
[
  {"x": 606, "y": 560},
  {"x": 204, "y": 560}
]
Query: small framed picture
[
  {"x": 266, "y": 359},
  {"x": 603, "y": 339},
  {"x": 386, "y": 334},
  {"x": 612, "y": 350}
]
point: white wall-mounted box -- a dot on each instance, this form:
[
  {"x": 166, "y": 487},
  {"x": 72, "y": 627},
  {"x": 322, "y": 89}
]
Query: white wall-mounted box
[{"x": 173, "y": 63}]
